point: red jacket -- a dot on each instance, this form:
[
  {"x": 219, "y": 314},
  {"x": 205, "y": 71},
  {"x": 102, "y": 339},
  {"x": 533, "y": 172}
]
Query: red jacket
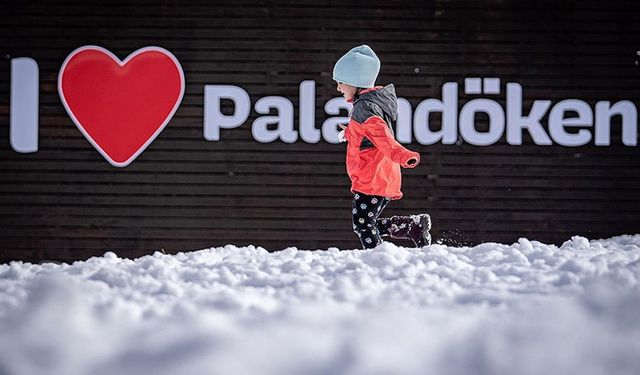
[{"x": 374, "y": 157}]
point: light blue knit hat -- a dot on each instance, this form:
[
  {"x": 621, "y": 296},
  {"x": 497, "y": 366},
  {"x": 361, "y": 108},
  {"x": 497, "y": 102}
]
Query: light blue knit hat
[{"x": 358, "y": 67}]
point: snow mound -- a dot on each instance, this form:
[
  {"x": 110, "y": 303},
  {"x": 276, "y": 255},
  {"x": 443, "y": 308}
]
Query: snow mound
[{"x": 525, "y": 308}]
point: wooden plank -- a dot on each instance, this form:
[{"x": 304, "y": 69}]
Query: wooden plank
[{"x": 209, "y": 179}]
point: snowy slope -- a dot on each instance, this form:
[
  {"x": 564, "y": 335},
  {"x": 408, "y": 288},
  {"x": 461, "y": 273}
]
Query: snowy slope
[{"x": 527, "y": 308}]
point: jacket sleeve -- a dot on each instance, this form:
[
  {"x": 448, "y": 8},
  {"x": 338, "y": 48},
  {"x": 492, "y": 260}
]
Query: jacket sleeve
[{"x": 377, "y": 131}]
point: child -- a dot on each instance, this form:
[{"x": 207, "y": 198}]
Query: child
[{"x": 374, "y": 157}]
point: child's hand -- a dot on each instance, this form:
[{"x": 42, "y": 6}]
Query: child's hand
[{"x": 341, "y": 137}]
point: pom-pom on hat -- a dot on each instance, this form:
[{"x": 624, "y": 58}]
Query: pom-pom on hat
[{"x": 358, "y": 67}]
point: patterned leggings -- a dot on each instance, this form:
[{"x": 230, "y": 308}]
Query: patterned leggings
[{"x": 366, "y": 224}]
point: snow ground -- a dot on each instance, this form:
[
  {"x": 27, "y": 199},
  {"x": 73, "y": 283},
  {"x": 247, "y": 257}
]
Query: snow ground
[{"x": 525, "y": 308}]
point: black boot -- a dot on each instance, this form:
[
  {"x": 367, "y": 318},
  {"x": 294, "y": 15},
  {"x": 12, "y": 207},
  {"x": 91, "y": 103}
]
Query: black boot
[{"x": 415, "y": 228}]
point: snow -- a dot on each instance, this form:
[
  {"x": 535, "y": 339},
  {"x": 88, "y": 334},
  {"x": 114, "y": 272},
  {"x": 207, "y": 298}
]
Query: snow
[{"x": 524, "y": 308}]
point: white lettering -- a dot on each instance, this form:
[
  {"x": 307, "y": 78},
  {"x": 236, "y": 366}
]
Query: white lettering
[
  {"x": 558, "y": 122},
  {"x": 629, "y": 113},
  {"x": 516, "y": 122},
  {"x": 330, "y": 128},
  {"x": 214, "y": 119},
  {"x": 307, "y": 115},
  {"x": 404, "y": 131},
  {"x": 467, "y": 122},
  {"x": 283, "y": 121},
  {"x": 24, "y": 105},
  {"x": 449, "y": 108},
  {"x": 562, "y": 116}
]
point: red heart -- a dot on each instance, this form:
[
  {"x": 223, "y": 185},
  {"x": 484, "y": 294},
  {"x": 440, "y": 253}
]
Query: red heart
[{"x": 121, "y": 106}]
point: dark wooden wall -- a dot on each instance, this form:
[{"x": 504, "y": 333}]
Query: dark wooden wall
[{"x": 66, "y": 202}]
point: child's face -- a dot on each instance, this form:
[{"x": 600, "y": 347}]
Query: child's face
[{"x": 348, "y": 91}]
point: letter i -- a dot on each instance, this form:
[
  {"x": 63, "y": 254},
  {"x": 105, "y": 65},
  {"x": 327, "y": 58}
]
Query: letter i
[{"x": 24, "y": 105}]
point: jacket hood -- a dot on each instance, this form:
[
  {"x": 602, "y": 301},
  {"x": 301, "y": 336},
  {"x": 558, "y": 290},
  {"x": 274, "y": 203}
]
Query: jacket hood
[{"x": 385, "y": 97}]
